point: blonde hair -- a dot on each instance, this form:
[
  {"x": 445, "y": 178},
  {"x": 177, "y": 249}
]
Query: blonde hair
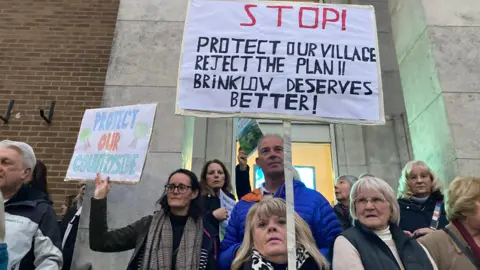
[
  {"x": 276, "y": 207},
  {"x": 380, "y": 186},
  {"x": 404, "y": 191},
  {"x": 463, "y": 193}
]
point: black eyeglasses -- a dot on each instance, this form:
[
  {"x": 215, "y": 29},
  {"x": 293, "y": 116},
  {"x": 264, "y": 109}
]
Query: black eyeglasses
[{"x": 180, "y": 188}]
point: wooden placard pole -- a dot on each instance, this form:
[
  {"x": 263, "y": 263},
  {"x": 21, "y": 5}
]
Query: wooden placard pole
[{"x": 288, "y": 167}]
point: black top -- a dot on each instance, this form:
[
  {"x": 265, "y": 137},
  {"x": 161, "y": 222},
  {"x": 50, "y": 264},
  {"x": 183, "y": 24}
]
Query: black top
[
  {"x": 69, "y": 246},
  {"x": 242, "y": 181},
  {"x": 343, "y": 216},
  {"x": 279, "y": 266},
  {"x": 178, "y": 224},
  {"x": 212, "y": 203}
]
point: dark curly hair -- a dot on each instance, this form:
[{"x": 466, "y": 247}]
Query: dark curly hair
[{"x": 196, "y": 209}]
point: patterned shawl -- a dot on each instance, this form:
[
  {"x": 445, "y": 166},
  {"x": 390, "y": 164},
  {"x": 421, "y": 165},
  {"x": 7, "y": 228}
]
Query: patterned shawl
[{"x": 159, "y": 244}]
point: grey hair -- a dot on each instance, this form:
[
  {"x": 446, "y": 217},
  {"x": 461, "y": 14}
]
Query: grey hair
[
  {"x": 296, "y": 175},
  {"x": 350, "y": 178},
  {"x": 269, "y": 135},
  {"x": 366, "y": 175},
  {"x": 380, "y": 186},
  {"x": 27, "y": 151}
]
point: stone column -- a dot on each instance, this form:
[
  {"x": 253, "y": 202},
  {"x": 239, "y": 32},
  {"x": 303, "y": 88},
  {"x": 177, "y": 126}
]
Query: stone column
[
  {"x": 213, "y": 139},
  {"x": 437, "y": 49},
  {"x": 143, "y": 69},
  {"x": 380, "y": 150}
]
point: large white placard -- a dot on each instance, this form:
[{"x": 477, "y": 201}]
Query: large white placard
[
  {"x": 280, "y": 60},
  {"x": 113, "y": 142}
]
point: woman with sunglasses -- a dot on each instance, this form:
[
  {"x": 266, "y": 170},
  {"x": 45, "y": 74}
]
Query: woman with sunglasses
[{"x": 173, "y": 238}]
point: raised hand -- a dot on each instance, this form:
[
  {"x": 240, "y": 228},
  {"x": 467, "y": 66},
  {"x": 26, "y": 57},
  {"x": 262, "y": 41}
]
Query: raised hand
[
  {"x": 242, "y": 160},
  {"x": 102, "y": 187}
]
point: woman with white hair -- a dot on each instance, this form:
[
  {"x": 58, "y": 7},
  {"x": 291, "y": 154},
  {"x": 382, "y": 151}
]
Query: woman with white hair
[
  {"x": 343, "y": 184},
  {"x": 421, "y": 200},
  {"x": 375, "y": 241},
  {"x": 264, "y": 243},
  {"x": 457, "y": 246}
]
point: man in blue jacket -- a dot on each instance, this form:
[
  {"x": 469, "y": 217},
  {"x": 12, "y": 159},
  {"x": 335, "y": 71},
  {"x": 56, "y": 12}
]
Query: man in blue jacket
[{"x": 309, "y": 204}]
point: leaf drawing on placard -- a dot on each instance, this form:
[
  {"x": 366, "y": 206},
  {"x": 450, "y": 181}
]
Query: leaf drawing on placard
[
  {"x": 83, "y": 136},
  {"x": 141, "y": 130}
]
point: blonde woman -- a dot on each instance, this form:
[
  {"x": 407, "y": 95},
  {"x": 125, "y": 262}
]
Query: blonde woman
[
  {"x": 457, "y": 246},
  {"x": 264, "y": 244},
  {"x": 421, "y": 200},
  {"x": 375, "y": 242}
]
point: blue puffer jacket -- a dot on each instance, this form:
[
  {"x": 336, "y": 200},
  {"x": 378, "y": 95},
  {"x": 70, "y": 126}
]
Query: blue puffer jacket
[{"x": 309, "y": 204}]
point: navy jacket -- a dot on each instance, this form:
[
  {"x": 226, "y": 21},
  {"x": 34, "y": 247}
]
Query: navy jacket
[
  {"x": 415, "y": 216},
  {"x": 32, "y": 233},
  {"x": 212, "y": 203}
]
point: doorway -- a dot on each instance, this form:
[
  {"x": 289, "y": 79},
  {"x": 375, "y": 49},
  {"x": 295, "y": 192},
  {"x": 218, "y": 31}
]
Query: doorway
[{"x": 313, "y": 155}]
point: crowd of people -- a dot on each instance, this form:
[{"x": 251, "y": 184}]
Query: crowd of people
[{"x": 421, "y": 226}]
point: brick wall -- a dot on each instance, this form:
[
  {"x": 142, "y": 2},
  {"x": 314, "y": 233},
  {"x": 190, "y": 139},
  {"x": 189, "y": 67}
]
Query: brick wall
[{"x": 53, "y": 50}]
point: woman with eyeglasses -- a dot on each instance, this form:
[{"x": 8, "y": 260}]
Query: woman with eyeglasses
[
  {"x": 375, "y": 241},
  {"x": 176, "y": 237}
]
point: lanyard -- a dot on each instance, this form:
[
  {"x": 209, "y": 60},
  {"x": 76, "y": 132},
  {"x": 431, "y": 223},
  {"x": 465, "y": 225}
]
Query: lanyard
[{"x": 436, "y": 215}]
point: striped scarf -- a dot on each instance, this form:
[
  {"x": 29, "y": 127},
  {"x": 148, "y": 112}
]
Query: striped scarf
[{"x": 159, "y": 244}]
